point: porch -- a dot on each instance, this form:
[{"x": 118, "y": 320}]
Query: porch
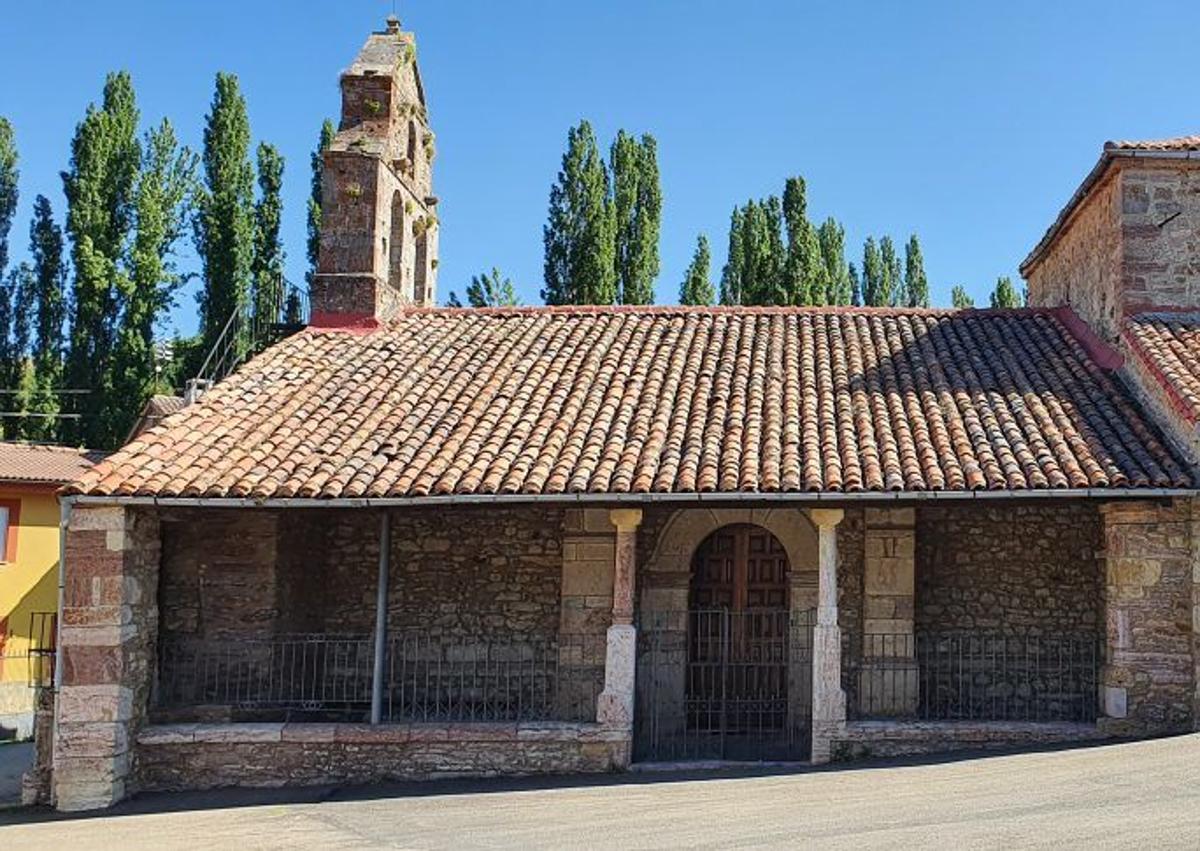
[{"x": 325, "y": 645}]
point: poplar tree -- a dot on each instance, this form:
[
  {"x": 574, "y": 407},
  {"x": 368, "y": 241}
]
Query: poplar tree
[
  {"x": 8, "y": 187},
  {"x": 224, "y": 221},
  {"x": 268, "y": 248},
  {"x": 916, "y": 284},
  {"x": 831, "y": 237},
  {"x": 165, "y": 183},
  {"x": 99, "y": 184},
  {"x": 49, "y": 283},
  {"x": 637, "y": 211},
  {"x": 314, "y": 199},
  {"x": 763, "y": 254},
  {"x": 1005, "y": 294},
  {"x": 580, "y": 265},
  {"x": 697, "y": 288},
  {"x": 960, "y": 299},
  {"x": 804, "y": 273},
  {"x": 731, "y": 275},
  {"x": 856, "y": 289},
  {"x": 874, "y": 284},
  {"x": 893, "y": 282},
  {"x": 491, "y": 289}
]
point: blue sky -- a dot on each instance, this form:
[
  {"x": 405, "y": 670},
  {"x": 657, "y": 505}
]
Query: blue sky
[{"x": 968, "y": 123}]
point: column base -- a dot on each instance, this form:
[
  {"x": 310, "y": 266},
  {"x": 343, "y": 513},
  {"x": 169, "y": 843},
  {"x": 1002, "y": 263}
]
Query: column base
[
  {"x": 614, "y": 708},
  {"x": 829, "y": 700}
]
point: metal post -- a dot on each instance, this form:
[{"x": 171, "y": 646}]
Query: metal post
[{"x": 381, "y": 596}]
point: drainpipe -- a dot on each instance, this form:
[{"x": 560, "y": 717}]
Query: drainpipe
[{"x": 381, "y": 595}]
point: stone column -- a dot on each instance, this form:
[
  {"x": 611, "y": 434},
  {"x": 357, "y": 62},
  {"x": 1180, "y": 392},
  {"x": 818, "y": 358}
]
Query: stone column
[
  {"x": 106, "y": 650},
  {"x": 615, "y": 707},
  {"x": 1147, "y": 683},
  {"x": 829, "y": 701}
]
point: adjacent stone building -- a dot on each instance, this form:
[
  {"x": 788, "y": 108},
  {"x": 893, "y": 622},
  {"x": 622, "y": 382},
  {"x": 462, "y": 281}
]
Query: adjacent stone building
[{"x": 417, "y": 542}]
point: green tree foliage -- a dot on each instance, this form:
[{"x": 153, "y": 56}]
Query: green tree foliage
[
  {"x": 697, "y": 286},
  {"x": 805, "y": 277},
  {"x": 856, "y": 287},
  {"x": 314, "y": 198},
  {"x": 916, "y": 284},
  {"x": 637, "y": 209},
  {"x": 165, "y": 184},
  {"x": 8, "y": 187},
  {"x": 224, "y": 222},
  {"x": 267, "y": 268},
  {"x": 1005, "y": 294},
  {"x": 732, "y": 285},
  {"x": 491, "y": 289},
  {"x": 893, "y": 282},
  {"x": 579, "y": 236},
  {"x": 874, "y": 283},
  {"x": 50, "y": 277},
  {"x": 831, "y": 237},
  {"x": 763, "y": 253},
  {"x": 100, "y": 185},
  {"x": 959, "y": 297}
]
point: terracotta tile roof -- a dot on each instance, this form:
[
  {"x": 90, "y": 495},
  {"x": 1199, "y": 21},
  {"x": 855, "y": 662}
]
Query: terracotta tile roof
[
  {"x": 34, "y": 463},
  {"x": 1179, "y": 143},
  {"x": 613, "y": 400},
  {"x": 157, "y": 409},
  {"x": 1169, "y": 345}
]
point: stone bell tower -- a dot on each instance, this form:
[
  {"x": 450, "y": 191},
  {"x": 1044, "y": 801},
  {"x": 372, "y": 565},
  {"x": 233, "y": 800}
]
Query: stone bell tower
[{"x": 379, "y": 229}]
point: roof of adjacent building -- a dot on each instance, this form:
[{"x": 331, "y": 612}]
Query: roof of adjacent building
[
  {"x": 1187, "y": 147},
  {"x": 541, "y": 401},
  {"x": 1169, "y": 346},
  {"x": 1179, "y": 143},
  {"x": 31, "y": 463}
]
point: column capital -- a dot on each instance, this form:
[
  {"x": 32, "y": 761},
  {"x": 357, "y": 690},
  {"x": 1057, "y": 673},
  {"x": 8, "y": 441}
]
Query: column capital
[
  {"x": 625, "y": 519},
  {"x": 823, "y": 517}
]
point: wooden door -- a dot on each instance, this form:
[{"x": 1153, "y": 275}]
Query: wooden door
[
  {"x": 738, "y": 633},
  {"x": 740, "y": 568}
]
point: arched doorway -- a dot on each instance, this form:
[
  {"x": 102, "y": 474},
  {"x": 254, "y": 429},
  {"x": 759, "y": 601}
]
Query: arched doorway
[{"x": 730, "y": 677}]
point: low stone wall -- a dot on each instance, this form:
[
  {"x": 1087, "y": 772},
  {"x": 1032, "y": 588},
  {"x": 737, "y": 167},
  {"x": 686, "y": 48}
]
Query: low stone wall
[
  {"x": 862, "y": 739},
  {"x": 208, "y": 756}
]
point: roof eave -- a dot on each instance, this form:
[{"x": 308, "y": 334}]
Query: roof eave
[{"x": 680, "y": 499}]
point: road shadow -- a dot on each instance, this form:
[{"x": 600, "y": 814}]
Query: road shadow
[{"x": 236, "y": 798}]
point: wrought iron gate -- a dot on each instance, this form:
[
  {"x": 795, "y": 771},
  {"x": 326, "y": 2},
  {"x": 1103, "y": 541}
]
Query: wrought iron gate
[{"x": 720, "y": 684}]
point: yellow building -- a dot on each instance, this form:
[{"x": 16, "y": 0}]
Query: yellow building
[{"x": 29, "y": 552}]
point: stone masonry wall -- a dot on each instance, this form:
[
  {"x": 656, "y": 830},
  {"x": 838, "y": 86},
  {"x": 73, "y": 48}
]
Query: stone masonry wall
[
  {"x": 468, "y": 573},
  {"x": 1160, "y": 232},
  {"x": 1083, "y": 267},
  {"x": 1009, "y": 568},
  {"x": 1130, "y": 245},
  {"x": 1150, "y": 564}
]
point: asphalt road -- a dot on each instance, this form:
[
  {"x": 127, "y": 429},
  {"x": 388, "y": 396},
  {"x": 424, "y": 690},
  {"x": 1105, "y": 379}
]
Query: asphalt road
[{"x": 1141, "y": 795}]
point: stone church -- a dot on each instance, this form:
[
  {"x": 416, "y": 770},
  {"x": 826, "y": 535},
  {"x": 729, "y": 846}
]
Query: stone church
[{"x": 412, "y": 542}]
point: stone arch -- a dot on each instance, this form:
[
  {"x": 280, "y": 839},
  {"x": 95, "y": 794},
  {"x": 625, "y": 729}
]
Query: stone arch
[{"x": 667, "y": 573}]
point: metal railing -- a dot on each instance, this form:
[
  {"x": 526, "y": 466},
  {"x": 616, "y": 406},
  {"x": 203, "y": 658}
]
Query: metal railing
[
  {"x": 249, "y": 330},
  {"x": 972, "y": 676},
  {"x": 427, "y": 678},
  {"x": 33, "y": 660}
]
